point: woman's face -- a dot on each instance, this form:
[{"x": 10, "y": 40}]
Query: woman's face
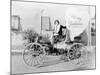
[{"x": 56, "y": 23}]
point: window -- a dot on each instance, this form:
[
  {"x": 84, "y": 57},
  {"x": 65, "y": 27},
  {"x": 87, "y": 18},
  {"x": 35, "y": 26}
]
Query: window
[
  {"x": 16, "y": 26},
  {"x": 45, "y": 23}
]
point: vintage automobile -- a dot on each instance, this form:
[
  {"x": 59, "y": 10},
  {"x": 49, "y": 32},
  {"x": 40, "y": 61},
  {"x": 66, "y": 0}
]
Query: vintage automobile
[{"x": 35, "y": 53}]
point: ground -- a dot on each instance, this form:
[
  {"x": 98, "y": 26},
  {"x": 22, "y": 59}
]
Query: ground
[{"x": 19, "y": 66}]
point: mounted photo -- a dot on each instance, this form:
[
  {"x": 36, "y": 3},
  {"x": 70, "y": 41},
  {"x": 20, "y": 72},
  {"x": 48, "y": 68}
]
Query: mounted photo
[{"x": 52, "y": 37}]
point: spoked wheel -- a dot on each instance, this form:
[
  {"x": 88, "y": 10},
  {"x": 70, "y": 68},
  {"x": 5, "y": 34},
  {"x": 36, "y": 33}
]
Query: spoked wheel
[
  {"x": 75, "y": 51},
  {"x": 34, "y": 55}
]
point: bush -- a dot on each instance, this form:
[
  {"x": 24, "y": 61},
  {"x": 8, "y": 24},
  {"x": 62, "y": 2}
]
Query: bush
[{"x": 30, "y": 35}]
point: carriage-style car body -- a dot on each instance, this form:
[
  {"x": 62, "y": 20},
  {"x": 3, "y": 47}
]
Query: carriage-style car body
[{"x": 36, "y": 52}]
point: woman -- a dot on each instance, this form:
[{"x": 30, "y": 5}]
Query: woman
[
  {"x": 58, "y": 32},
  {"x": 59, "y": 28}
]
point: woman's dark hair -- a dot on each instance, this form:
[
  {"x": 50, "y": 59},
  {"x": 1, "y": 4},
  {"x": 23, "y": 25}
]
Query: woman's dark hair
[{"x": 56, "y": 21}]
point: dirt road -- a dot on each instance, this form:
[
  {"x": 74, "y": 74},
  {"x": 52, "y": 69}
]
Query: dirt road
[{"x": 19, "y": 66}]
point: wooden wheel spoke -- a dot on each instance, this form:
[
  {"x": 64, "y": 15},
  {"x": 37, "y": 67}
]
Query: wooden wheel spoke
[{"x": 28, "y": 60}]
